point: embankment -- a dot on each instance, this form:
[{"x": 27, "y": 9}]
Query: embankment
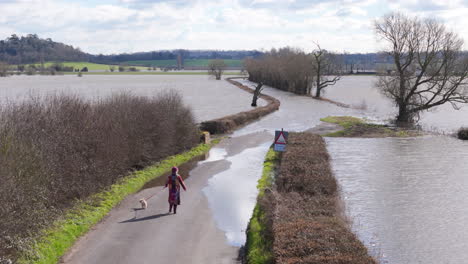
[
  {"x": 301, "y": 212},
  {"x": 59, "y": 150},
  {"x": 229, "y": 123}
]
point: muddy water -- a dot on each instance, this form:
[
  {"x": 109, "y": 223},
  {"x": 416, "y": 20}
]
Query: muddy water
[
  {"x": 207, "y": 97},
  {"x": 406, "y": 197}
]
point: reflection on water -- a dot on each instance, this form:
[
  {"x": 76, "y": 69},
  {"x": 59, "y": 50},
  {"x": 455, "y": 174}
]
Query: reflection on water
[
  {"x": 232, "y": 193},
  {"x": 216, "y": 154},
  {"x": 406, "y": 197}
]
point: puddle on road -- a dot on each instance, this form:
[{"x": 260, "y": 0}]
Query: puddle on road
[
  {"x": 232, "y": 193},
  {"x": 215, "y": 154},
  {"x": 184, "y": 171}
]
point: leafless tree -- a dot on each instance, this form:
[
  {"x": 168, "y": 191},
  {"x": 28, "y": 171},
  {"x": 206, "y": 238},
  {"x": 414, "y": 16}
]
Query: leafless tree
[
  {"x": 430, "y": 69},
  {"x": 258, "y": 90},
  {"x": 216, "y": 68},
  {"x": 3, "y": 69},
  {"x": 327, "y": 69}
]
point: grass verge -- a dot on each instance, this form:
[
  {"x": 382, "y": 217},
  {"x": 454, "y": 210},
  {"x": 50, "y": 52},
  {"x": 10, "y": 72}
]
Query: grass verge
[
  {"x": 259, "y": 244},
  {"x": 357, "y": 127},
  {"x": 52, "y": 243}
]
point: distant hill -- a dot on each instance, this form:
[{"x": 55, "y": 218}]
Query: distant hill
[{"x": 32, "y": 49}]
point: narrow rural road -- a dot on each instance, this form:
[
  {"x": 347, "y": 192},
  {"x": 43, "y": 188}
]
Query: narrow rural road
[{"x": 129, "y": 235}]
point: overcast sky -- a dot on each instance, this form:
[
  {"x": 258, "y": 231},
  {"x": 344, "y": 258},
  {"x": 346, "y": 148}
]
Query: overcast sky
[{"x": 115, "y": 26}]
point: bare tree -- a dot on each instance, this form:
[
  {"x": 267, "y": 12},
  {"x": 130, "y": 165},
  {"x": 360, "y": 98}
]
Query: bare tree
[
  {"x": 430, "y": 69},
  {"x": 327, "y": 69},
  {"x": 258, "y": 90},
  {"x": 216, "y": 68},
  {"x": 3, "y": 69}
]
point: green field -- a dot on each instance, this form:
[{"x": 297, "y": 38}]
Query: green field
[
  {"x": 155, "y": 73},
  {"x": 188, "y": 62},
  {"x": 91, "y": 66}
]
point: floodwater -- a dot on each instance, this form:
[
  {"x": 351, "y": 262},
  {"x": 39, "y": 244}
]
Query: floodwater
[
  {"x": 407, "y": 197},
  {"x": 232, "y": 193},
  {"x": 359, "y": 92},
  {"x": 207, "y": 97}
]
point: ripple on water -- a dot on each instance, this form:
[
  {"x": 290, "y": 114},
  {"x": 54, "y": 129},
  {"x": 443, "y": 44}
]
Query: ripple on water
[{"x": 406, "y": 197}]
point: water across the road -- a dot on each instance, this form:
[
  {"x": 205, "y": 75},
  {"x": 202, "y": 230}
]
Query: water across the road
[{"x": 405, "y": 197}]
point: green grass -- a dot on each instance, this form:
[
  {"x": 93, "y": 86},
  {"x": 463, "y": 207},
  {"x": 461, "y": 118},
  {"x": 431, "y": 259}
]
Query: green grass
[
  {"x": 155, "y": 63},
  {"x": 356, "y": 127},
  {"x": 188, "y": 62},
  {"x": 91, "y": 66},
  {"x": 258, "y": 248},
  {"x": 55, "y": 241},
  {"x": 152, "y": 73},
  {"x": 344, "y": 121},
  {"x": 205, "y": 62}
]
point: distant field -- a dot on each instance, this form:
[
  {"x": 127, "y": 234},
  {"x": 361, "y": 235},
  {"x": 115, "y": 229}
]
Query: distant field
[
  {"x": 189, "y": 62},
  {"x": 156, "y": 73},
  {"x": 91, "y": 66}
]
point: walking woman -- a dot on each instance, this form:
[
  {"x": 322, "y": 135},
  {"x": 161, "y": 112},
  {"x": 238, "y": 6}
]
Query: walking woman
[{"x": 174, "y": 181}]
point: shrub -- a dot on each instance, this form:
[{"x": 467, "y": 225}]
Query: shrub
[
  {"x": 62, "y": 148},
  {"x": 307, "y": 226},
  {"x": 85, "y": 69},
  {"x": 463, "y": 133}
]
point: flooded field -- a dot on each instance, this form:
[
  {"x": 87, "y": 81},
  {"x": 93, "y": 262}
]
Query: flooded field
[
  {"x": 359, "y": 91},
  {"x": 208, "y": 98},
  {"x": 406, "y": 197}
]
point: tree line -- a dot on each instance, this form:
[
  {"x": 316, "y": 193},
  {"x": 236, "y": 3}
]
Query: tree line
[
  {"x": 32, "y": 49},
  {"x": 293, "y": 70}
]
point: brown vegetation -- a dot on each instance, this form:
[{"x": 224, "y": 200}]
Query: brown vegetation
[
  {"x": 463, "y": 133},
  {"x": 59, "y": 149},
  {"x": 216, "y": 68},
  {"x": 286, "y": 69},
  {"x": 231, "y": 122},
  {"x": 306, "y": 224}
]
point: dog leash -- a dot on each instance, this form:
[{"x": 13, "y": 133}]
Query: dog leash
[{"x": 146, "y": 199}]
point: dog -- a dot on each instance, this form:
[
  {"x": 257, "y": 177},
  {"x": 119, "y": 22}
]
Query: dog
[{"x": 143, "y": 203}]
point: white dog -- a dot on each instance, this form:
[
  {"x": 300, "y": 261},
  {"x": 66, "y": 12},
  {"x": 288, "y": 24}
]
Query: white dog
[{"x": 143, "y": 203}]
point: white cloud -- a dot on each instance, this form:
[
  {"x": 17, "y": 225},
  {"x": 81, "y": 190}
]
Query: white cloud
[{"x": 143, "y": 25}]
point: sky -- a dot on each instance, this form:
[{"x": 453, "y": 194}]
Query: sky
[{"x": 118, "y": 26}]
